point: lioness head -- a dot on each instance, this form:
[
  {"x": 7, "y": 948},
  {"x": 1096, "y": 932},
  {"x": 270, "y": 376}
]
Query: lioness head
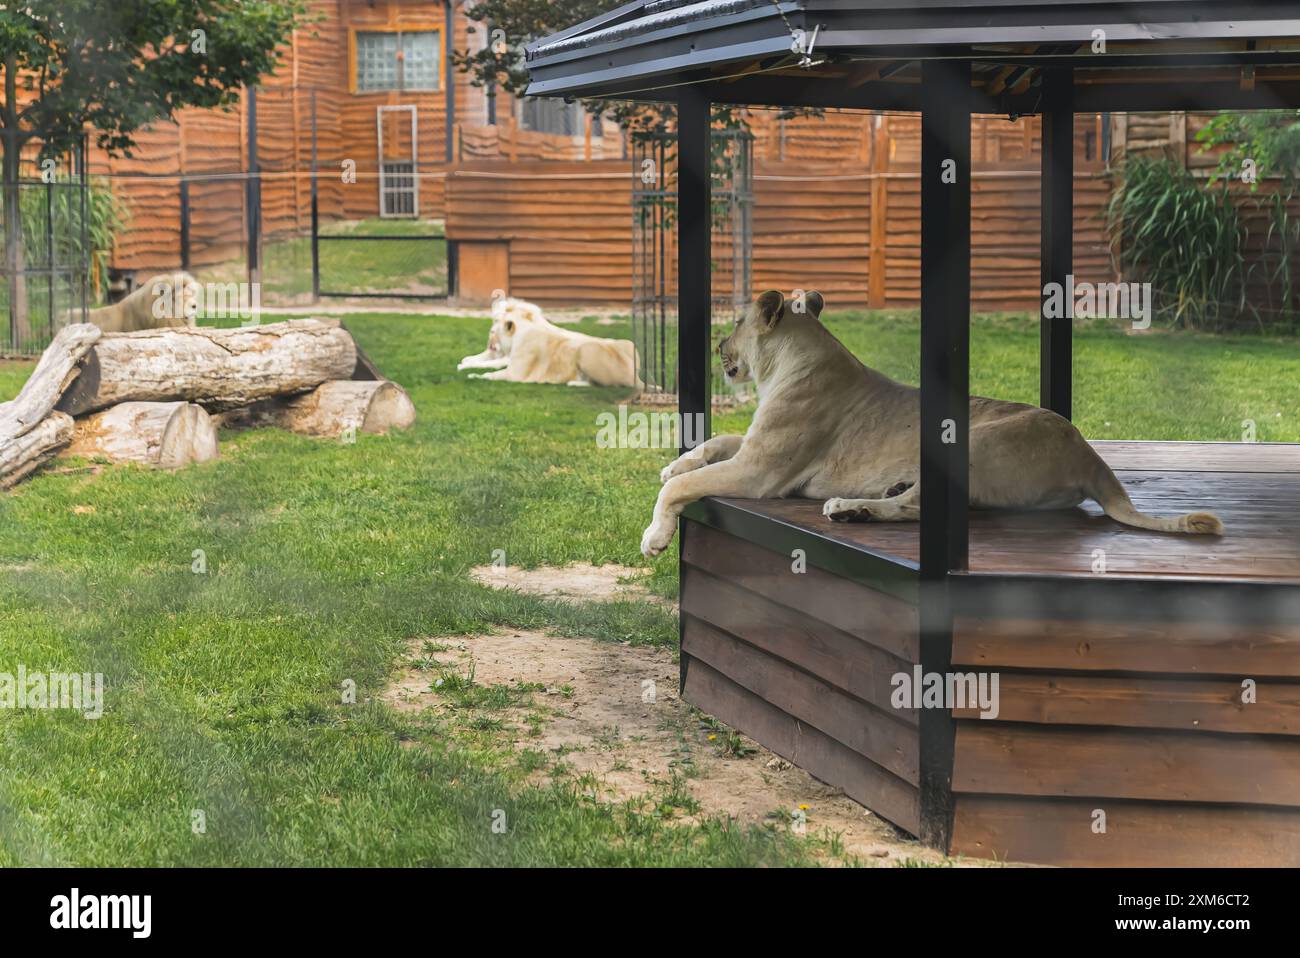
[
  {"x": 508, "y": 314},
  {"x": 757, "y": 332}
]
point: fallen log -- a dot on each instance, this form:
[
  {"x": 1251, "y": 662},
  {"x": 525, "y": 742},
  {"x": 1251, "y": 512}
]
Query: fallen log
[
  {"x": 21, "y": 455},
  {"x": 332, "y": 410},
  {"x": 216, "y": 368},
  {"x": 57, "y": 368},
  {"x": 29, "y": 431},
  {"x": 162, "y": 435}
]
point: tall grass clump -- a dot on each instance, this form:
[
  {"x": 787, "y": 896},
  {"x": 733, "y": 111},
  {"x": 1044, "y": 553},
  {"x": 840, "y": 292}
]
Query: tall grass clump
[{"x": 1187, "y": 241}]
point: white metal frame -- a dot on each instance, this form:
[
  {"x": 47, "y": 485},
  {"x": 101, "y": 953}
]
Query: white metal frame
[{"x": 385, "y": 188}]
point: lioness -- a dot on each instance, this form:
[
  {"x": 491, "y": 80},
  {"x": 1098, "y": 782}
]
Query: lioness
[
  {"x": 169, "y": 299},
  {"x": 827, "y": 427},
  {"x": 525, "y": 347}
]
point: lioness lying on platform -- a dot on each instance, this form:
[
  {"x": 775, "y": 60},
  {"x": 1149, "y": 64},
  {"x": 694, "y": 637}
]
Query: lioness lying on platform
[
  {"x": 827, "y": 427},
  {"x": 169, "y": 299},
  {"x": 525, "y": 347}
]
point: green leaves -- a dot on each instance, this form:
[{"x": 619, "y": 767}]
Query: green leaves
[{"x": 116, "y": 67}]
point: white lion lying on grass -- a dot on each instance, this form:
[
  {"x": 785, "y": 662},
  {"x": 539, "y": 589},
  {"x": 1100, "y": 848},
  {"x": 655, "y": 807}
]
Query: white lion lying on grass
[
  {"x": 827, "y": 427},
  {"x": 525, "y": 347}
]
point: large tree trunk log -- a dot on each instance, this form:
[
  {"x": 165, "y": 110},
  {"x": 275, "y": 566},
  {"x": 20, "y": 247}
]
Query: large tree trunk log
[
  {"x": 165, "y": 435},
  {"x": 23, "y": 454},
  {"x": 55, "y": 371},
  {"x": 217, "y": 368},
  {"x": 29, "y": 432},
  {"x": 332, "y": 410}
]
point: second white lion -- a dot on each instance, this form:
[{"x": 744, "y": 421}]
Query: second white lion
[{"x": 525, "y": 347}]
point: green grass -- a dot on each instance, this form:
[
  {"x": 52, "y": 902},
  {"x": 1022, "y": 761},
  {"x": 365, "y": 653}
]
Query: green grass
[
  {"x": 417, "y": 265},
  {"x": 324, "y": 559}
]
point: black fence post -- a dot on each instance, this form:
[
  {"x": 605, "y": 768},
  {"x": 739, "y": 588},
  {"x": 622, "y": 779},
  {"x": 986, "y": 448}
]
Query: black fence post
[
  {"x": 694, "y": 277},
  {"x": 87, "y": 255},
  {"x": 50, "y": 184},
  {"x": 315, "y": 210},
  {"x": 185, "y": 224},
  {"x": 1057, "y": 244},
  {"x": 253, "y": 195}
]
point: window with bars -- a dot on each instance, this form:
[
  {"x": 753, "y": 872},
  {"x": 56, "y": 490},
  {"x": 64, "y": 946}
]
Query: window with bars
[
  {"x": 397, "y": 189},
  {"x": 407, "y": 60}
]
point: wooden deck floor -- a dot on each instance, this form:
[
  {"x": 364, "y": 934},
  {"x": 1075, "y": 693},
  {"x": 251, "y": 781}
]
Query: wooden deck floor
[{"x": 1254, "y": 488}]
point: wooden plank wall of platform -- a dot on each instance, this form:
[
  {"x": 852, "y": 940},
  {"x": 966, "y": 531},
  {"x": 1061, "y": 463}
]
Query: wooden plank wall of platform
[
  {"x": 802, "y": 661},
  {"x": 1160, "y": 742}
]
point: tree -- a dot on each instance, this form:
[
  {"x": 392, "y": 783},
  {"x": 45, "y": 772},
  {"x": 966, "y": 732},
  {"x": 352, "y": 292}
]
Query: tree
[
  {"x": 1265, "y": 145},
  {"x": 112, "y": 67}
]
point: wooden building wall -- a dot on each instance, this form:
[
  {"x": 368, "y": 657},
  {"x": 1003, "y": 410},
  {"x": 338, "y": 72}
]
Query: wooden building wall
[
  {"x": 836, "y": 208},
  {"x": 836, "y": 197},
  {"x": 313, "y": 69}
]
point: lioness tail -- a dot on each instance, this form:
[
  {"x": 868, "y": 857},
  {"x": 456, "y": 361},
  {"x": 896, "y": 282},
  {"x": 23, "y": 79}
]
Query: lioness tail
[{"x": 1114, "y": 501}]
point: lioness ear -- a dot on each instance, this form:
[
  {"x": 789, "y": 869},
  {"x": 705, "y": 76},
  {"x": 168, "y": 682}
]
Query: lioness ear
[
  {"x": 771, "y": 307},
  {"x": 815, "y": 302}
]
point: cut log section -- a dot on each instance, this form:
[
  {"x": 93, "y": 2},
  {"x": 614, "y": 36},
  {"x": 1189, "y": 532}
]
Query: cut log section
[
  {"x": 332, "y": 410},
  {"x": 164, "y": 435},
  {"x": 217, "y": 368},
  {"x": 21, "y": 455}
]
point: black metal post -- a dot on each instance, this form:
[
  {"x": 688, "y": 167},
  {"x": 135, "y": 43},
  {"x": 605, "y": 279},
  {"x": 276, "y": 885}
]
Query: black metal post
[
  {"x": 449, "y": 35},
  {"x": 694, "y": 282},
  {"x": 83, "y": 187},
  {"x": 253, "y": 195},
  {"x": 945, "y": 404},
  {"x": 694, "y": 286},
  {"x": 185, "y": 224},
  {"x": 1057, "y": 249},
  {"x": 49, "y": 246},
  {"x": 315, "y": 210}
]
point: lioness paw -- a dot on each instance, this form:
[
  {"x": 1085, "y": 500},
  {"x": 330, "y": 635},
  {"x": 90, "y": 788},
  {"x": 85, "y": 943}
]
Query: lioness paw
[
  {"x": 846, "y": 510},
  {"x": 656, "y": 538}
]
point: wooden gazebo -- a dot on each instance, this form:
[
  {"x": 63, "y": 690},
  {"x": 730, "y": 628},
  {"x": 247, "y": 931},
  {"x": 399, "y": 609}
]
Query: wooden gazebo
[{"x": 1150, "y": 713}]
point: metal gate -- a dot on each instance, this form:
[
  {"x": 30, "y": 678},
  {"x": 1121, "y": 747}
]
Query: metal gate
[
  {"x": 395, "y": 255},
  {"x": 45, "y": 265},
  {"x": 654, "y": 245}
]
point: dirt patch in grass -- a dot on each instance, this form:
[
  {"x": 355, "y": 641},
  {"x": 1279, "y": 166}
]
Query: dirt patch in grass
[
  {"x": 579, "y": 582},
  {"x": 608, "y": 714}
]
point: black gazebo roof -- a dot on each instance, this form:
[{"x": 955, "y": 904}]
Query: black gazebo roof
[{"x": 866, "y": 53}]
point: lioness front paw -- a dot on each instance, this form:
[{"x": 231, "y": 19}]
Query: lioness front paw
[
  {"x": 673, "y": 468},
  {"x": 656, "y": 538},
  {"x": 677, "y": 467},
  {"x": 846, "y": 510}
]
